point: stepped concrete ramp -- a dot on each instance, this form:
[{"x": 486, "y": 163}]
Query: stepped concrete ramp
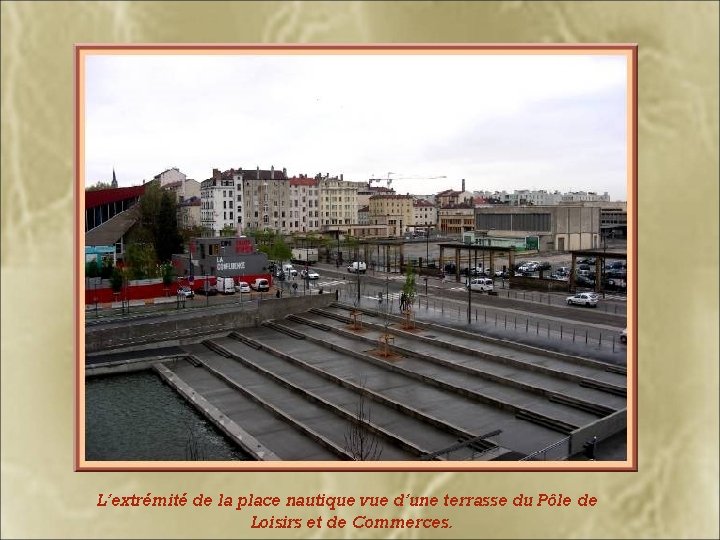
[
  {"x": 309, "y": 385},
  {"x": 347, "y": 363},
  {"x": 507, "y": 368}
]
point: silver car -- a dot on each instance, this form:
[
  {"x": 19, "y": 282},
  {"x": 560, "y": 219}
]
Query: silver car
[{"x": 583, "y": 299}]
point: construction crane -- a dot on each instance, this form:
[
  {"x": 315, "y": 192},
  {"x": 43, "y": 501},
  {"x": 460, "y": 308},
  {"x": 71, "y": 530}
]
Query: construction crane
[{"x": 398, "y": 176}]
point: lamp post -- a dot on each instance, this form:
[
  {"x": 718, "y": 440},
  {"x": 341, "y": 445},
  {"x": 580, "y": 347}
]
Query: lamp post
[
  {"x": 427, "y": 246},
  {"x": 469, "y": 291},
  {"x": 337, "y": 258}
]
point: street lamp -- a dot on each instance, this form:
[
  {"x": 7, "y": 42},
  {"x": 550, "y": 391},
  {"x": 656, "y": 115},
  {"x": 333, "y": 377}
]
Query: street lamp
[{"x": 469, "y": 290}]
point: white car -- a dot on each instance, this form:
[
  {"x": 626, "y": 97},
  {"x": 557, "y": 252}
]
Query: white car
[
  {"x": 583, "y": 299},
  {"x": 242, "y": 287},
  {"x": 481, "y": 284},
  {"x": 309, "y": 274},
  {"x": 187, "y": 292}
]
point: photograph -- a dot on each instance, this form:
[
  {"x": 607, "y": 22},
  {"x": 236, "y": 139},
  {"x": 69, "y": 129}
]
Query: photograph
[{"x": 382, "y": 258}]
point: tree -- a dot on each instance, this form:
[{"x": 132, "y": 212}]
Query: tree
[
  {"x": 167, "y": 238},
  {"x": 141, "y": 260},
  {"x": 196, "y": 231},
  {"x": 228, "y": 230},
  {"x": 106, "y": 269},
  {"x": 360, "y": 442},
  {"x": 116, "y": 280},
  {"x": 409, "y": 289},
  {"x": 91, "y": 269},
  {"x": 157, "y": 222},
  {"x": 168, "y": 274},
  {"x": 99, "y": 185},
  {"x": 279, "y": 250}
]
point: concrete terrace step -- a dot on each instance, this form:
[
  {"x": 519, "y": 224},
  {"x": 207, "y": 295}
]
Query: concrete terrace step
[
  {"x": 339, "y": 359},
  {"x": 308, "y": 413},
  {"x": 564, "y": 419},
  {"x": 610, "y": 374},
  {"x": 491, "y": 367},
  {"x": 269, "y": 430},
  {"x": 286, "y": 435},
  {"x": 392, "y": 425}
]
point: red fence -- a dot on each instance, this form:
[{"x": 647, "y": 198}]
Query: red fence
[{"x": 135, "y": 291}]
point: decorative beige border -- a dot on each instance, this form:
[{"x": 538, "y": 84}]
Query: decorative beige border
[{"x": 630, "y": 51}]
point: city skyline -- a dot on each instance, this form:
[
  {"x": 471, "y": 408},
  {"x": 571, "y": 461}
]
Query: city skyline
[{"x": 501, "y": 122}]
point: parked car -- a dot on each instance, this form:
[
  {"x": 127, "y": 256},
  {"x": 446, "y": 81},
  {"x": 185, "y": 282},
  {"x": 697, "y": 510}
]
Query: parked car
[
  {"x": 582, "y": 281},
  {"x": 563, "y": 271},
  {"x": 242, "y": 287},
  {"x": 187, "y": 292},
  {"x": 309, "y": 274},
  {"x": 623, "y": 336},
  {"x": 481, "y": 285},
  {"x": 583, "y": 299},
  {"x": 260, "y": 284},
  {"x": 450, "y": 268},
  {"x": 544, "y": 266}
]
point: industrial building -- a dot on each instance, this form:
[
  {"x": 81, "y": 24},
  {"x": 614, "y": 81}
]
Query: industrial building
[{"x": 557, "y": 228}]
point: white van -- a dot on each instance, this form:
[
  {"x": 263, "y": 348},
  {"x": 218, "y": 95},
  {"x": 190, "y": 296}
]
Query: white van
[
  {"x": 481, "y": 284},
  {"x": 226, "y": 285},
  {"x": 289, "y": 270},
  {"x": 260, "y": 284},
  {"x": 357, "y": 267}
]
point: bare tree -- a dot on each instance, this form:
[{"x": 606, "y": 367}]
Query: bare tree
[{"x": 360, "y": 442}]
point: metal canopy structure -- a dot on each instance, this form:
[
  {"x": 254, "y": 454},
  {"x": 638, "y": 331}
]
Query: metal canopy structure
[
  {"x": 459, "y": 247},
  {"x": 600, "y": 256}
]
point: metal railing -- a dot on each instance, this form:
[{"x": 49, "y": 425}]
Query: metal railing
[{"x": 558, "y": 451}]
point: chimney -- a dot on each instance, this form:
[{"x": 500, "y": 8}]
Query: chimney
[
  {"x": 341, "y": 177},
  {"x": 258, "y": 172},
  {"x": 284, "y": 172},
  {"x": 272, "y": 172},
  {"x": 463, "y": 185},
  {"x": 216, "y": 174}
]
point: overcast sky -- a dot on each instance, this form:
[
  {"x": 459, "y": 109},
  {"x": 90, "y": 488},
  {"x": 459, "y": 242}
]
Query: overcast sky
[{"x": 502, "y": 122}]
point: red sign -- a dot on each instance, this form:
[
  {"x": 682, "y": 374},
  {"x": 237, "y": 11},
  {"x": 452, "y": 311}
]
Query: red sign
[{"x": 243, "y": 245}]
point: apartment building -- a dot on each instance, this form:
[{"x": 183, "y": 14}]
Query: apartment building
[
  {"x": 338, "y": 201},
  {"x": 397, "y": 211},
  {"x": 265, "y": 199},
  {"x": 304, "y": 205},
  {"x": 456, "y": 219},
  {"x": 425, "y": 214},
  {"x": 217, "y": 197}
]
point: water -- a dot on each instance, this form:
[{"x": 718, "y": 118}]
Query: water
[{"x": 136, "y": 417}]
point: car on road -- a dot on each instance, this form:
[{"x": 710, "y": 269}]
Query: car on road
[
  {"x": 623, "y": 336},
  {"x": 187, "y": 292},
  {"x": 583, "y": 299},
  {"x": 309, "y": 274},
  {"x": 357, "y": 267},
  {"x": 242, "y": 287},
  {"x": 480, "y": 285}
]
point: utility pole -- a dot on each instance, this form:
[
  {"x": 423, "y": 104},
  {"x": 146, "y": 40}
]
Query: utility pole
[{"x": 469, "y": 310}]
